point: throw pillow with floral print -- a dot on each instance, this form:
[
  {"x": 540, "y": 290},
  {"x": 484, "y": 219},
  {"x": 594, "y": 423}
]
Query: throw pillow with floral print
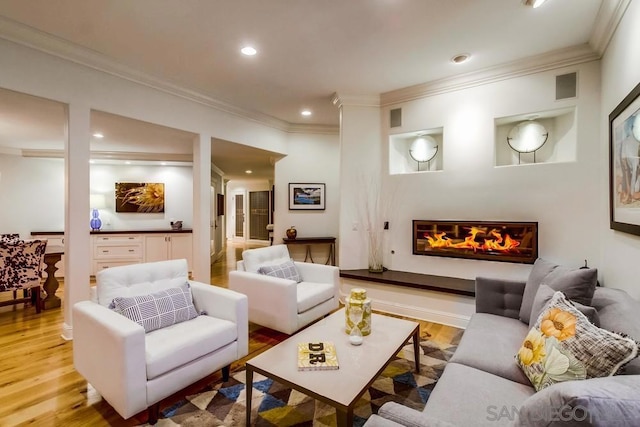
[{"x": 563, "y": 345}]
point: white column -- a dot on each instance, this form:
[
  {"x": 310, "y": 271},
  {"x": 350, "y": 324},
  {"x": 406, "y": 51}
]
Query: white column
[
  {"x": 360, "y": 164},
  {"x": 76, "y": 223},
  {"x": 202, "y": 208}
]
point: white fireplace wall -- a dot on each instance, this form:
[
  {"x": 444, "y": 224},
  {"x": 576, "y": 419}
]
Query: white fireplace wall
[{"x": 561, "y": 197}]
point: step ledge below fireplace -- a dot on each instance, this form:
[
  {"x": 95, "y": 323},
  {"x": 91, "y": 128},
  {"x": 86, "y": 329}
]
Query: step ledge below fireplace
[{"x": 451, "y": 285}]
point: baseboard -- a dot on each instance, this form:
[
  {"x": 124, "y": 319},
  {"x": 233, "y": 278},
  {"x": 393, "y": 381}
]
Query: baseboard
[
  {"x": 416, "y": 312},
  {"x": 67, "y": 332}
]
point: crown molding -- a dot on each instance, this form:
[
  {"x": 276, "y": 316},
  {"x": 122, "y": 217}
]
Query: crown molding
[
  {"x": 113, "y": 155},
  {"x": 217, "y": 170},
  {"x": 355, "y": 100},
  {"x": 609, "y": 16},
  {"x": 39, "y": 40},
  {"x": 534, "y": 64},
  {"x": 317, "y": 129}
]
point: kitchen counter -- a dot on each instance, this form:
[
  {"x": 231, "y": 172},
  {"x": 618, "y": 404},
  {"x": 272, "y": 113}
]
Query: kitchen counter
[{"x": 151, "y": 231}]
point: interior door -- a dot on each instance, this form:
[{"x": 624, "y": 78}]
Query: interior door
[
  {"x": 258, "y": 215},
  {"x": 239, "y": 215}
]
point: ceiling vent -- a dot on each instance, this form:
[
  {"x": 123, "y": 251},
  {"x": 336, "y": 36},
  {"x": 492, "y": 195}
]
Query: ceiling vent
[
  {"x": 395, "y": 118},
  {"x": 566, "y": 86}
]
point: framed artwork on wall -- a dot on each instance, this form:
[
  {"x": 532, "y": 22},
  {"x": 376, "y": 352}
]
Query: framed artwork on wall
[
  {"x": 624, "y": 164},
  {"x": 140, "y": 197},
  {"x": 306, "y": 196}
]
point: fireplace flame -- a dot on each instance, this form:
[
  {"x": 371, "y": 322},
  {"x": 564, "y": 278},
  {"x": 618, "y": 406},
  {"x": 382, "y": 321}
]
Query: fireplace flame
[{"x": 494, "y": 241}]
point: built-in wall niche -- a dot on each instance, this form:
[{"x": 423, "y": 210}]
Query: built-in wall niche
[
  {"x": 542, "y": 137},
  {"x": 416, "y": 152}
]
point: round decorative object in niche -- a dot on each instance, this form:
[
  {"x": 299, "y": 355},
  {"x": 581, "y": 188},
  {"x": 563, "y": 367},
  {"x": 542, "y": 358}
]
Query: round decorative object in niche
[
  {"x": 423, "y": 149},
  {"x": 527, "y": 137}
]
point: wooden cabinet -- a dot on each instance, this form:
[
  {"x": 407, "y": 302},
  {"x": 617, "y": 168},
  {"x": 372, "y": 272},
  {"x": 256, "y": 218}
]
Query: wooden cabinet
[
  {"x": 161, "y": 247},
  {"x": 115, "y": 250}
]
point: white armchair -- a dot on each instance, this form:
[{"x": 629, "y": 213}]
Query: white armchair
[
  {"x": 284, "y": 304},
  {"x": 134, "y": 370}
]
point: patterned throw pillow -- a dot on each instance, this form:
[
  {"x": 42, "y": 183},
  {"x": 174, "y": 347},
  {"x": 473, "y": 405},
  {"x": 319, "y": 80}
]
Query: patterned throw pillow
[
  {"x": 159, "y": 309},
  {"x": 285, "y": 270},
  {"x": 563, "y": 345}
]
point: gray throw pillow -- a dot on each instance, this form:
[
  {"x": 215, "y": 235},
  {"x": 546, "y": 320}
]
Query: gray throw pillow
[
  {"x": 544, "y": 295},
  {"x": 578, "y": 285},
  {"x": 286, "y": 270},
  {"x": 159, "y": 309},
  {"x": 608, "y": 401},
  {"x": 541, "y": 268}
]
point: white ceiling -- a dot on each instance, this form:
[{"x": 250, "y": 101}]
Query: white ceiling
[{"x": 307, "y": 49}]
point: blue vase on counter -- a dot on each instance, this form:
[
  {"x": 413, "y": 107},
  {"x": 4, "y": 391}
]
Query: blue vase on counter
[{"x": 95, "y": 222}]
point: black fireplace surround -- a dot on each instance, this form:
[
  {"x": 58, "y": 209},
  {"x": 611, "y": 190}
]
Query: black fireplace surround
[{"x": 480, "y": 240}]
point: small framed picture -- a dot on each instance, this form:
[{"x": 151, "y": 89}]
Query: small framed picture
[{"x": 304, "y": 196}]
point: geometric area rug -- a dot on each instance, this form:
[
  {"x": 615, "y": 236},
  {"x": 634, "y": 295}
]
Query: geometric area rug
[{"x": 224, "y": 403}]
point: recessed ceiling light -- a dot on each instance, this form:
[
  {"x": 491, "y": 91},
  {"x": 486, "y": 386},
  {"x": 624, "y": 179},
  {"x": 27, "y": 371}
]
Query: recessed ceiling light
[
  {"x": 248, "y": 50},
  {"x": 92, "y": 161},
  {"x": 163, "y": 163},
  {"x": 127, "y": 162},
  {"x": 248, "y": 171},
  {"x": 534, "y": 3},
  {"x": 98, "y": 135},
  {"x": 306, "y": 113},
  {"x": 460, "y": 58}
]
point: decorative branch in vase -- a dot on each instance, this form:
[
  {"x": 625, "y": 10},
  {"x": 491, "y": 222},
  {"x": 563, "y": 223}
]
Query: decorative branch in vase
[{"x": 373, "y": 208}]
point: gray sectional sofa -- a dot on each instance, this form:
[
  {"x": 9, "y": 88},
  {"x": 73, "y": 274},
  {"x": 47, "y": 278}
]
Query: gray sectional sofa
[{"x": 482, "y": 385}]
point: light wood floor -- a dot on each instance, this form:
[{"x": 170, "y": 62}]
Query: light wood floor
[{"x": 39, "y": 386}]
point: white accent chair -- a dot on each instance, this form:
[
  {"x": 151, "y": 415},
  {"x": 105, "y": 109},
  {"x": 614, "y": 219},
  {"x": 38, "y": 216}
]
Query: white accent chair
[
  {"x": 282, "y": 304},
  {"x": 132, "y": 370}
]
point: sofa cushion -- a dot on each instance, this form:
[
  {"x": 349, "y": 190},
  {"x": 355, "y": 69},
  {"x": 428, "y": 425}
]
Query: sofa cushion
[
  {"x": 195, "y": 338},
  {"x": 271, "y": 255},
  {"x": 159, "y": 309},
  {"x": 286, "y": 270},
  {"x": 619, "y": 312},
  {"x": 544, "y": 295},
  {"x": 609, "y": 401},
  {"x": 310, "y": 294},
  {"x": 466, "y": 396},
  {"x": 563, "y": 345},
  {"x": 577, "y": 284},
  {"x": 489, "y": 343}
]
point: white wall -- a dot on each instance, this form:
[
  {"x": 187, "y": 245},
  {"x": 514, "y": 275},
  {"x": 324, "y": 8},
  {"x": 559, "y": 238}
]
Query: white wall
[
  {"x": 311, "y": 159},
  {"x": 31, "y": 195},
  {"x": 559, "y": 196},
  {"x": 178, "y": 195},
  {"x": 620, "y": 74}
]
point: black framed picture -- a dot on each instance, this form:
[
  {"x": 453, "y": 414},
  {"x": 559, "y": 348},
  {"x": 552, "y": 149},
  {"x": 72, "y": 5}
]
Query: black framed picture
[
  {"x": 306, "y": 196},
  {"x": 624, "y": 164}
]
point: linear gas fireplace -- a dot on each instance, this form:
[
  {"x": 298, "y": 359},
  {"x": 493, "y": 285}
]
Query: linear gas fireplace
[{"x": 483, "y": 240}]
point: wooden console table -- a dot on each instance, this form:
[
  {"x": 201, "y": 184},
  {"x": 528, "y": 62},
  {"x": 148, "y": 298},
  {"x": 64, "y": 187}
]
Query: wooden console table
[{"x": 308, "y": 241}]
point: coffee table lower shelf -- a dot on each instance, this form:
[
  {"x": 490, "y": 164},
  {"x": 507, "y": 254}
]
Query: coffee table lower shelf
[{"x": 359, "y": 365}]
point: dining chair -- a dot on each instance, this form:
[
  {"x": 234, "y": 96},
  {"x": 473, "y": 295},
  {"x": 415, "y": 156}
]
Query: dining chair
[{"x": 21, "y": 269}]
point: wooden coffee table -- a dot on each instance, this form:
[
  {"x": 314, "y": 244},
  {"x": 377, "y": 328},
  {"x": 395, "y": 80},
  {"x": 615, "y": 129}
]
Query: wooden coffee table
[{"x": 359, "y": 365}]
